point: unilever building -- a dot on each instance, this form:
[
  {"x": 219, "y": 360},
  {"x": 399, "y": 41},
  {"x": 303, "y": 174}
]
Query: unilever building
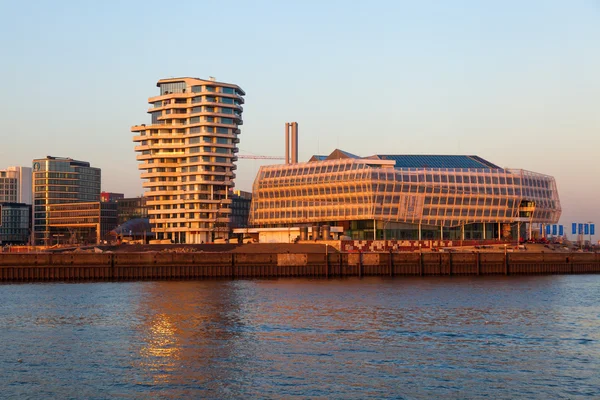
[{"x": 402, "y": 197}]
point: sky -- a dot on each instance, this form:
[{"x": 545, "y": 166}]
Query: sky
[{"x": 511, "y": 81}]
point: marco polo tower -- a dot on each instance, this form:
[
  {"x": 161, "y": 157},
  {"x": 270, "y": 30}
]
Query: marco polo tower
[{"x": 187, "y": 156}]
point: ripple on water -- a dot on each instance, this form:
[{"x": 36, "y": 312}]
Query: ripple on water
[{"x": 371, "y": 338}]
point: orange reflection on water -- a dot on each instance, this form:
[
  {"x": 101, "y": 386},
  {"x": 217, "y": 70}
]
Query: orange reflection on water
[
  {"x": 186, "y": 329},
  {"x": 161, "y": 351}
]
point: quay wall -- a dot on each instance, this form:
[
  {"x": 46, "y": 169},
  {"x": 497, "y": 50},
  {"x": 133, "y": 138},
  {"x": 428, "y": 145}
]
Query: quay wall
[{"x": 33, "y": 267}]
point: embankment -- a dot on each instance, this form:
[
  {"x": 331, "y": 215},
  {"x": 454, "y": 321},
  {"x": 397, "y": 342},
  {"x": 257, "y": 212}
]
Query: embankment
[{"x": 32, "y": 267}]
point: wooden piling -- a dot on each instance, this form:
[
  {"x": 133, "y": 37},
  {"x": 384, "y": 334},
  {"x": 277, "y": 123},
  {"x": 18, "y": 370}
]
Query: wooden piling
[{"x": 360, "y": 264}]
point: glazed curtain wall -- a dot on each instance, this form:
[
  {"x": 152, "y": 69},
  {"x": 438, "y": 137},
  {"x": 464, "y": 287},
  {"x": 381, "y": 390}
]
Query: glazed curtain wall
[{"x": 351, "y": 189}]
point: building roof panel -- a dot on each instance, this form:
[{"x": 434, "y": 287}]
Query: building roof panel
[
  {"x": 337, "y": 153},
  {"x": 437, "y": 161}
]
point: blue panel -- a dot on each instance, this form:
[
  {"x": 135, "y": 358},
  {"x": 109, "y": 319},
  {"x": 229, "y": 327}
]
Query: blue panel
[
  {"x": 592, "y": 229},
  {"x": 547, "y": 229},
  {"x": 554, "y": 230},
  {"x": 574, "y": 226},
  {"x": 581, "y": 229},
  {"x": 541, "y": 229},
  {"x": 561, "y": 230},
  {"x": 433, "y": 161},
  {"x": 586, "y": 229}
]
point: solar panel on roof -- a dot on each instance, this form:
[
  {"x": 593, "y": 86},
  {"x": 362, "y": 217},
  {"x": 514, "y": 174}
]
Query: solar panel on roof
[{"x": 438, "y": 161}]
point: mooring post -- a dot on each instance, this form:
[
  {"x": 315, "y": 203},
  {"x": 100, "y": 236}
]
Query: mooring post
[
  {"x": 232, "y": 265},
  {"x": 420, "y": 261},
  {"x": 478, "y": 258},
  {"x": 391, "y": 263},
  {"x": 326, "y": 256},
  {"x": 360, "y": 264},
  {"x": 111, "y": 270}
]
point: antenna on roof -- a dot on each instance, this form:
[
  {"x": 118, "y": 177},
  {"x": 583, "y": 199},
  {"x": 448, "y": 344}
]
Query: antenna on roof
[{"x": 212, "y": 78}]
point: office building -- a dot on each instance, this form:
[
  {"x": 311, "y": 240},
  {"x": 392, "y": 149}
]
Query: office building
[
  {"x": 405, "y": 197},
  {"x": 240, "y": 209},
  {"x": 81, "y": 223},
  {"x": 15, "y": 223},
  {"x": 65, "y": 182},
  {"x": 15, "y": 185},
  {"x": 187, "y": 154},
  {"x": 131, "y": 208},
  {"x": 107, "y": 197}
]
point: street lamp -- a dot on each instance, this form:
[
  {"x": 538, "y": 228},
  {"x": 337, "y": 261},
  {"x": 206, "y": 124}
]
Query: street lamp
[
  {"x": 374, "y": 220},
  {"x": 374, "y": 228}
]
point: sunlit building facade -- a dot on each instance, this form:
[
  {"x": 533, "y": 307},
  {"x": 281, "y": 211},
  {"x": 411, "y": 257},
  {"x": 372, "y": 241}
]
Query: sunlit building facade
[
  {"x": 187, "y": 154},
  {"x": 405, "y": 197},
  {"x": 81, "y": 223},
  {"x": 60, "y": 181},
  {"x": 15, "y": 185}
]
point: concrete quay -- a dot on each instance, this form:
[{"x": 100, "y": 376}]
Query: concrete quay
[{"x": 123, "y": 266}]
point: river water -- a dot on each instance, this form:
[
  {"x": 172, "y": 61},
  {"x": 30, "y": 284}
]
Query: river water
[{"x": 413, "y": 338}]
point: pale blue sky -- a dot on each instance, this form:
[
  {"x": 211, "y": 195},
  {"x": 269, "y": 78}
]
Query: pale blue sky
[{"x": 515, "y": 82}]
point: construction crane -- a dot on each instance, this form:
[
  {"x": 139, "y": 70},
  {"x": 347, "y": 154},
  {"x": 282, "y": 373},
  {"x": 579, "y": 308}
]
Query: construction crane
[{"x": 254, "y": 157}]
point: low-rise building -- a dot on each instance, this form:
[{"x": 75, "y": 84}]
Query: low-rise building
[
  {"x": 420, "y": 197},
  {"x": 131, "y": 208},
  {"x": 15, "y": 223},
  {"x": 81, "y": 223},
  {"x": 107, "y": 197}
]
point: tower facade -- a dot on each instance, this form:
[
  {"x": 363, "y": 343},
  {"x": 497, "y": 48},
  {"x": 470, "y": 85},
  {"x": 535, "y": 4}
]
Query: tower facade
[
  {"x": 15, "y": 185},
  {"x": 60, "y": 182},
  {"x": 187, "y": 155}
]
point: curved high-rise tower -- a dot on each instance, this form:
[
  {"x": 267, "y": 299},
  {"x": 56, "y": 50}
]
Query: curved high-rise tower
[{"x": 187, "y": 156}]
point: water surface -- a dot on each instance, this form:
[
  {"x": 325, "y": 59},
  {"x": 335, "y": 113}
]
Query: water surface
[{"x": 446, "y": 337}]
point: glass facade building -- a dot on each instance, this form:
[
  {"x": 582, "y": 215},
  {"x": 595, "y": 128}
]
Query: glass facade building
[
  {"x": 15, "y": 223},
  {"x": 56, "y": 181},
  {"x": 81, "y": 223},
  {"x": 240, "y": 209},
  {"x": 187, "y": 156},
  {"x": 132, "y": 208},
  {"x": 405, "y": 197}
]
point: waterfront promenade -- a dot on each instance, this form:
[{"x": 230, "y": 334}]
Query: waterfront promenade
[{"x": 302, "y": 260}]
